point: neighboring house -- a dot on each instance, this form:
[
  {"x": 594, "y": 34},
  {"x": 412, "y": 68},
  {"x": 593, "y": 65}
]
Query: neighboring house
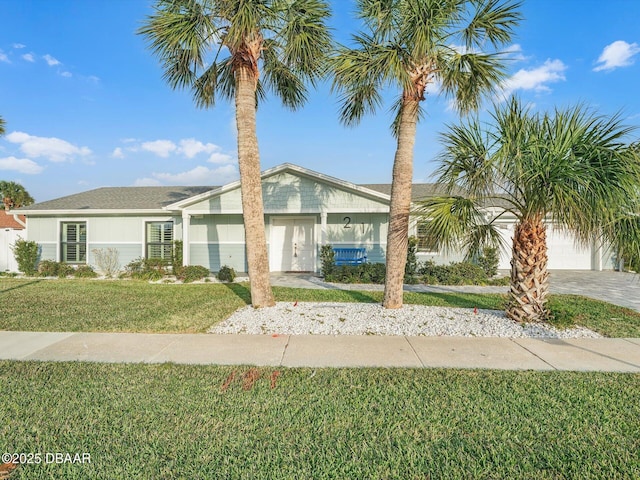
[
  {"x": 303, "y": 211},
  {"x": 11, "y": 227}
]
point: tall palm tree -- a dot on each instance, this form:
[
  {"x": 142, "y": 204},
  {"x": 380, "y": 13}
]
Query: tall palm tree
[
  {"x": 14, "y": 195},
  {"x": 571, "y": 168},
  {"x": 410, "y": 44},
  {"x": 220, "y": 48}
]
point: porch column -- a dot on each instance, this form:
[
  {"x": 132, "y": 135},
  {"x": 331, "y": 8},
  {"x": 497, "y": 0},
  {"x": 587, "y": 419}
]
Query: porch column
[
  {"x": 323, "y": 228},
  {"x": 186, "y": 222}
]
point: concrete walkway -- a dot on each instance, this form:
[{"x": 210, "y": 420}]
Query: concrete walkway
[
  {"x": 606, "y": 354},
  {"x": 618, "y": 288}
]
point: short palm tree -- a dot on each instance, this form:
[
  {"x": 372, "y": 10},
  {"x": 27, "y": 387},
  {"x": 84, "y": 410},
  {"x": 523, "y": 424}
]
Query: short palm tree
[
  {"x": 571, "y": 169},
  {"x": 220, "y": 48},
  {"x": 408, "y": 45},
  {"x": 14, "y": 195}
]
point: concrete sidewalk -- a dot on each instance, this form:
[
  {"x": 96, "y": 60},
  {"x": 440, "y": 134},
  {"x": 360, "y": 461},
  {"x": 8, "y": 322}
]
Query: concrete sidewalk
[{"x": 606, "y": 354}]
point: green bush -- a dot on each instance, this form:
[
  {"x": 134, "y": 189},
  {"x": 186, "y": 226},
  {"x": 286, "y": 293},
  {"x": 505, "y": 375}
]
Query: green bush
[
  {"x": 85, "y": 271},
  {"x": 176, "y": 256},
  {"x": 226, "y": 274},
  {"x": 191, "y": 273},
  {"x": 26, "y": 255},
  {"x": 48, "y": 268},
  {"x": 65, "y": 270},
  {"x": 146, "y": 268},
  {"x": 456, "y": 273},
  {"x": 363, "y": 273},
  {"x": 411, "y": 267},
  {"x": 327, "y": 258},
  {"x": 488, "y": 261}
]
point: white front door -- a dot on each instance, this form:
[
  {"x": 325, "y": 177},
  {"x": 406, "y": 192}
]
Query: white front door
[{"x": 291, "y": 245}]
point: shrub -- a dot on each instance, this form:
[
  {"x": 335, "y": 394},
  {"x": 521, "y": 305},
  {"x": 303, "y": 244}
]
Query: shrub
[
  {"x": 488, "y": 261},
  {"x": 146, "y": 268},
  {"x": 411, "y": 267},
  {"x": 363, "y": 273},
  {"x": 226, "y": 274},
  {"x": 48, "y": 268},
  {"x": 65, "y": 270},
  {"x": 176, "y": 256},
  {"x": 327, "y": 258},
  {"x": 107, "y": 260},
  {"x": 191, "y": 273},
  {"x": 460, "y": 273},
  {"x": 85, "y": 271},
  {"x": 26, "y": 255}
]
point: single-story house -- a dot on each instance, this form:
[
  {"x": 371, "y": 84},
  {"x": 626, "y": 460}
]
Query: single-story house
[
  {"x": 303, "y": 211},
  {"x": 11, "y": 228}
]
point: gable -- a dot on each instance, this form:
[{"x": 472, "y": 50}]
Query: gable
[{"x": 289, "y": 191}]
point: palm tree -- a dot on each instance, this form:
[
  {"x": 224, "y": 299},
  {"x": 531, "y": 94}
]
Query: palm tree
[
  {"x": 220, "y": 48},
  {"x": 571, "y": 168},
  {"x": 2, "y": 126},
  {"x": 14, "y": 195},
  {"x": 410, "y": 44}
]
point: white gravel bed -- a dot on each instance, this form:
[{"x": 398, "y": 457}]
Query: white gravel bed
[{"x": 371, "y": 319}]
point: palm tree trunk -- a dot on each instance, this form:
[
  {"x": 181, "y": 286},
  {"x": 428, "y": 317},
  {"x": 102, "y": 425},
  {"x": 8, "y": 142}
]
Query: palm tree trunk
[
  {"x": 251, "y": 189},
  {"x": 398, "y": 234},
  {"x": 529, "y": 275}
]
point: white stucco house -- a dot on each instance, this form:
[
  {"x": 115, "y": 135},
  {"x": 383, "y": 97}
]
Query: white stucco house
[
  {"x": 11, "y": 229},
  {"x": 304, "y": 210}
]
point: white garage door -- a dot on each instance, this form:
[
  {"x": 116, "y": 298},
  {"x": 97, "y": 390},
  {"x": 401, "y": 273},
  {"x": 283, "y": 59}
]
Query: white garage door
[
  {"x": 562, "y": 251},
  {"x": 7, "y": 260}
]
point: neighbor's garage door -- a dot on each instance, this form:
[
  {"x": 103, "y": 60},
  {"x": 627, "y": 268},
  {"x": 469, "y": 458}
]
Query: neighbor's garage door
[{"x": 562, "y": 252}]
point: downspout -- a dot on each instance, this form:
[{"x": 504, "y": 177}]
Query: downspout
[{"x": 16, "y": 217}]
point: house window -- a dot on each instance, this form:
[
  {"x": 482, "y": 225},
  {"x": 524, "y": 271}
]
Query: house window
[
  {"x": 159, "y": 240},
  {"x": 74, "y": 242},
  {"x": 426, "y": 241}
]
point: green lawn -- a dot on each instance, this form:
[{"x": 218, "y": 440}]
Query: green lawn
[
  {"x": 136, "y": 306},
  {"x": 172, "y": 421}
]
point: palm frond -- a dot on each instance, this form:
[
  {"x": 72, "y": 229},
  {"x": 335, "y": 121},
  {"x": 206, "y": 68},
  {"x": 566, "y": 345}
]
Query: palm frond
[{"x": 492, "y": 21}]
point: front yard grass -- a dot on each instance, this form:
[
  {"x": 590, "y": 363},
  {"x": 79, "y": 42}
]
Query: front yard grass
[
  {"x": 137, "y": 306},
  {"x": 175, "y": 421}
]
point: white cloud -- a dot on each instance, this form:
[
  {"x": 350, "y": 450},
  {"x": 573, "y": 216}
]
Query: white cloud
[
  {"x": 22, "y": 165},
  {"x": 29, "y": 57},
  {"x": 218, "y": 157},
  {"x": 515, "y": 52},
  {"x": 117, "y": 153},
  {"x": 197, "y": 176},
  {"x": 536, "y": 79},
  {"x": 53, "y": 149},
  {"x": 190, "y": 147},
  {"x": 618, "y": 54},
  {"x": 162, "y": 148},
  {"x": 4, "y": 58},
  {"x": 50, "y": 60},
  {"x": 18, "y": 45},
  {"x": 66, "y": 74}
]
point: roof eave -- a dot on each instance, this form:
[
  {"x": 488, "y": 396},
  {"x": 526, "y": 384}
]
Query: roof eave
[{"x": 101, "y": 211}]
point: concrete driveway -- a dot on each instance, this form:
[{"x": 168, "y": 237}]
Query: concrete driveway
[{"x": 614, "y": 287}]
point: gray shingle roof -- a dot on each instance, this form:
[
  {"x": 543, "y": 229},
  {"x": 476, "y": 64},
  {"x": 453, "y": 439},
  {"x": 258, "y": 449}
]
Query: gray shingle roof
[
  {"x": 121, "y": 198},
  {"x": 419, "y": 191},
  {"x": 155, "y": 198}
]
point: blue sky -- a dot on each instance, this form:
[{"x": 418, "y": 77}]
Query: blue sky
[{"x": 86, "y": 106}]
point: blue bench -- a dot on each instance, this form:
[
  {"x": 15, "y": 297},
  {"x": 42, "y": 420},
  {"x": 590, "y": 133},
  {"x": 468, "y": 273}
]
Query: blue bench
[{"x": 350, "y": 256}]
